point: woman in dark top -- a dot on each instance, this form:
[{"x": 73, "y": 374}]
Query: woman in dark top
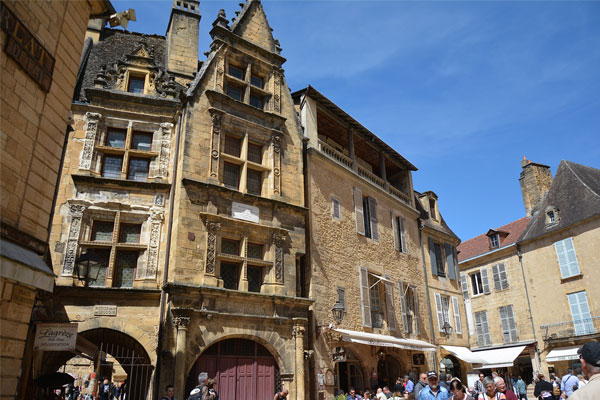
[{"x": 543, "y": 389}]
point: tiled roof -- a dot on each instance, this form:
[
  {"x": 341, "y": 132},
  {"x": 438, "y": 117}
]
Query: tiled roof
[
  {"x": 575, "y": 193},
  {"x": 481, "y": 244}
]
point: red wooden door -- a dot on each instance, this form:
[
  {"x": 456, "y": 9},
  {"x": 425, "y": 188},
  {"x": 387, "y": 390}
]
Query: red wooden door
[
  {"x": 265, "y": 378},
  {"x": 246, "y": 378},
  {"x": 227, "y": 378}
]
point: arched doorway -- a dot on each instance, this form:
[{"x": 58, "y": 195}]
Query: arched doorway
[
  {"x": 117, "y": 357},
  {"x": 242, "y": 369},
  {"x": 388, "y": 369},
  {"x": 450, "y": 365}
]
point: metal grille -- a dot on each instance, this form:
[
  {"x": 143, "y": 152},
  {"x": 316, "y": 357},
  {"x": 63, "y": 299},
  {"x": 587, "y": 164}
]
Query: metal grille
[
  {"x": 112, "y": 166},
  {"x": 141, "y": 141},
  {"x": 255, "y": 153},
  {"x": 116, "y": 138},
  {"x": 138, "y": 169},
  {"x": 255, "y": 251},
  {"x": 232, "y": 146},
  {"x": 229, "y": 274},
  {"x": 130, "y": 233},
  {"x": 230, "y": 247},
  {"x": 125, "y": 271},
  {"x": 254, "y": 279},
  {"x": 254, "y": 182},
  {"x": 231, "y": 175},
  {"x": 98, "y": 265},
  {"x": 102, "y": 231}
]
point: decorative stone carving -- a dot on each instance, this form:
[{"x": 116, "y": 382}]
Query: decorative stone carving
[
  {"x": 211, "y": 246},
  {"x": 276, "y": 141},
  {"x": 156, "y": 218},
  {"x": 278, "y": 241},
  {"x": 165, "y": 150},
  {"x": 276, "y": 100},
  {"x": 298, "y": 330},
  {"x": 76, "y": 211},
  {"x": 217, "y": 119},
  {"x": 181, "y": 322},
  {"x": 91, "y": 130}
]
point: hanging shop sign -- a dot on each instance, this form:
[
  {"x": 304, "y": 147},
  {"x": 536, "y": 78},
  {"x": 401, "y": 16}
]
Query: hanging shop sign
[
  {"x": 418, "y": 359},
  {"x": 55, "y": 337}
]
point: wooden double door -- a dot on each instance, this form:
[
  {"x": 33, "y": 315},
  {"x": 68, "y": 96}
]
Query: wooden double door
[{"x": 243, "y": 369}]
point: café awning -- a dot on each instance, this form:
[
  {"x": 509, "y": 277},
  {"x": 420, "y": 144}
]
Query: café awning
[
  {"x": 374, "y": 339},
  {"x": 563, "y": 354},
  {"x": 464, "y": 354},
  {"x": 498, "y": 358}
]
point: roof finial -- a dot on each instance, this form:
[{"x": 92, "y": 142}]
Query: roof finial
[{"x": 524, "y": 161}]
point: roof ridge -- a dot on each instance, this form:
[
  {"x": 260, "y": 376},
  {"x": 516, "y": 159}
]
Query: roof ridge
[{"x": 567, "y": 163}]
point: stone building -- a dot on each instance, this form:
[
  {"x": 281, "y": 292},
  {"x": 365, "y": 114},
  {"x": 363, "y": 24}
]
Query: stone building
[
  {"x": 40, "y": 53},
  {"x": 510, "y": 272},
  {"x": 370, "y": 322}
]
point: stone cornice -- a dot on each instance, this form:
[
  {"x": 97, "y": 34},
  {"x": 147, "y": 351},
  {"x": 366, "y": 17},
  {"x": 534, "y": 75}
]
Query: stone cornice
[{"x": 120, "y": 183}]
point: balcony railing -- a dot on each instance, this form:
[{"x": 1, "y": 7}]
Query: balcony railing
[
  {"x": 347, "y": 162},
  {"x": 570, "y": 329}
]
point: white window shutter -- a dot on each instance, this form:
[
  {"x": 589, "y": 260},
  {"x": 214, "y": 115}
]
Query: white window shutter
[
  {"x": 395, "y": 231},
  {"x": 432, "y": 257},
  {"x": 457, "y": 321},
  {"x": 402, "y": 234},
  {"x": 403, "y": 306},
  {"x": 440, "y": 313},
  {"x": 373, "y": 214},
  {"x": 512, "y": 326},
  {"x": 364, "y": 296},
  {"x": 358, "y": 212},
  {"x": 572, "y": 263},
  {"x": 389, "y": 305},
  {"x": 496, "y": 276},
  {"x": 479, "y": 327},
  {"x": 485, "y": 280},
  {"x": 486, "y": 330},
  {"x": 503, "y": 276},
  {"x": 504, "y": 325},
  {"x": 416, "y": 308},
  {"x": 464, "y": 284}
]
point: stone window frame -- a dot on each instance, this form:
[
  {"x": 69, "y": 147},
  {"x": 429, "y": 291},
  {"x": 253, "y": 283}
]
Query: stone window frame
[
  {"x": 384, "y": 287},
  {"x": 80, "y": 239},
  {"x": 138, "y": 74},
  {"x": 95, "y": 146},
  {"x": 250, "y": 68}
]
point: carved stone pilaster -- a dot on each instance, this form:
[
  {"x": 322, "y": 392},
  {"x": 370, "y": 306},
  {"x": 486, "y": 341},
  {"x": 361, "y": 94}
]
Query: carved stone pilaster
[
  {"x": 164, "y": 155},
  {"x": 181, "y": 322},
  {"x": 245, "y": 255},
  {"x": 215, "y": 146},
  {"x": 156, "y": 219},
  {"x": 276, "y": 144},
  {"x": 276, "y": 99},
  {"x": 76, "y": 211},
  {"x": 211, "y": 246},
  {"x": 298, "y": 330},
  {"x": 91, "y": 130},
  {"x": 278, "y": 241}
]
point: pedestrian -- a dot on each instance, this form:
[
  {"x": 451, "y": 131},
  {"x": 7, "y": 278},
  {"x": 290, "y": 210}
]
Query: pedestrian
[
  {"x": 169, "y": 393},
  {"x": 589, "y": 356},
  {"x": 105, "y": 390},
  {"x": 568, "y": 384},
  {"x": 380, "y": 395},
  {"x": 420, "y": 385},
  {"x": 543, "y": 389},
  {"x": 521, "y": 388},
  {"x": 433, "y": 391},
  {"x": 478, "y": 386},
  {"x": 501, "y": 388},
  {"x": 399, "y": 386},
  {"x": 201, "y": 392},
  {"x": 386, "y": 391},
  {"x": 284, "y": 394},
  {"x": 582, "y": 381},
  {"x": 490, "y": 390},
  {"x": 352, "y": 394},
  {"x": 443, "y": 382},
  {"x": 458, "y": 391},
  {"x": 367, "y": 395},
  {"x": 116, "y": 391},
  {"x": 410, "y": 382}
]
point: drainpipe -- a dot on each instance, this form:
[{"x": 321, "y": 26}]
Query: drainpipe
[
  {"x": 163, "y": 293},
  {"x": 537, "y": 349},
  {"x": 435, "y": 361}
]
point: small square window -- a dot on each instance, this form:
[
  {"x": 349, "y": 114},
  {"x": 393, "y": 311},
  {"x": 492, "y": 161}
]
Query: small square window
[
  {"x": 256, "y": 101},
  {"x": 255, "y": 251},
  {"x": 335, "y": 208},
  {"x": 235, "y": 93},
  {"x": 232, "y": 146},
  {"x": 102, "y": 231},
  {"x": 255, "y": 153},
  {"x": 99, "y": 259},
  {"x": 256, "y": 81},
  {"x": 125, "y": 268},
  {"x": 116, "y": 138},
  {"x": 231, "y": 247},
  {"x": 230, "y": 275},
  {"x": 130, "y": 233},
  {"x": 141, "y": 141},
  {"x": 231, "y": 175},
  {"x": 254, "y": 182},
  {"x": 254, "y": 279},
  {"x": 111, "y": 167},
  {"x": 236, "y": 72},
  {"x": 494, "y": 241},
  {"x": 136, "y": 84},
  {"x": 138, "y": 169}
]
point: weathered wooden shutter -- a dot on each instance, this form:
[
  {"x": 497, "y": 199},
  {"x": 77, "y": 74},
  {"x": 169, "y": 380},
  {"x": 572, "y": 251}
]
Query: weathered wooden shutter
[
  {"x": 455, "y": 255},
  {"x": 364, "y": 296},
  {"x": 464, "y": 286},
  {"x": 486, "y": 330},
  {"x": 512, "y": 326},
  {"x": 457, "y": 322},
  {"x": 389, "y": 304},
  {"x": 358, "y": 212},
  {"x": 416, "y": 308},
  {"x": 450, "y": 261},
  {"x": 504, "y": 325},
  {"x": 395, "y": 231},
  {"x": 434, "y": 269},
  {"x": 336, "y": 208},
  {"x": 496, "y": 275},
  {"x": 479, "y": 327},
  {"x": 440, "y": 312},
  {"x": 567, "y": 258},
  {"x": 503, "y": 276},
  {"x": 403, "y": 306},
  {"x": 485, "y": 280},
  {"x": 373, "y": 215},
  {"x": 402, "y": 234},
  {"x": 342, "y": 296}
]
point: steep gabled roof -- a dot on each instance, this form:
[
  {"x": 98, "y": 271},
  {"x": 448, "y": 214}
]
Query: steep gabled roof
[
  {"x": 481, "y": 244},
  {"x": 442, "y": 227},
  {"x": 574, "y": 194},
  {"x": 252, "y": 24}
]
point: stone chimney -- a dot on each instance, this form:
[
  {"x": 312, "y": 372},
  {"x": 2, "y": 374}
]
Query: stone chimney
[
  {"x": 182, "y": 39},
  {"x": 535, "y": 182}
]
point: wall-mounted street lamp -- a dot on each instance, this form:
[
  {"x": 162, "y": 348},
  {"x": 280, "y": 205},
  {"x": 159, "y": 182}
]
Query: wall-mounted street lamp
[
  {"x": 447, "y": 328},
  {"x": 338, "y": 312},
  {"x": 83, "y": 267}
]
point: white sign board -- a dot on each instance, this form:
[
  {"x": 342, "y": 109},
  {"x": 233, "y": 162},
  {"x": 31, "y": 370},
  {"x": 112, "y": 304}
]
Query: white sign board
[
  {"x": 105, "y": 310},
  {"x": 55, "y": 337},
  {"x": 244, "y": 211}
]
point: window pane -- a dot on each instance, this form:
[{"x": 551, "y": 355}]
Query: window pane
[
  {"x": 136, "y": 84},
  {"x": 256, "y": 101},
  {"x": 231, "y": 175},
  {"x": 111, "y": 168},
  {"x": 98, "y": 265},
  {"x": 376, "y": 303},
  {"x": 439, "y": 260},
  {"x": 234, "y": 92},
  {"x": 255, "y": 251},
  {"x": 366, "y": 216},
  {"x": 232, "y": 146},
  {"x": 256, "y": 81},
  {"x": 255, "y": 153},
  {"x": 141, "y": 141},
  {"x": 130, "y": 233},
  {"x": 254, "y": 182},
  {"x": 125, "y": 268},
  {"x": 229, "y": 274},
  {"x": 254, "y": 279},
  {"x": 138, "y": 169},
  {"x": 102, "y": 231},
  {"x": 230, "y": 247},
  {"x": 236, "y": 72},
  {"x": 116, "y": 138}
]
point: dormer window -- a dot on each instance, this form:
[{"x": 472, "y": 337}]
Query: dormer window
[
  {"x": 495, "y": 241},
  {"x": 552, "y": 216},
  {"x": 245, "y": 81},
  {"x": 136, "y": 84},
  {"x": 432, "y": 212}
]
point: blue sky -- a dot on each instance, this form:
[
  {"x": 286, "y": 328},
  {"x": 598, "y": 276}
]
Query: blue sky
[{"x": 463, "y": 90}]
